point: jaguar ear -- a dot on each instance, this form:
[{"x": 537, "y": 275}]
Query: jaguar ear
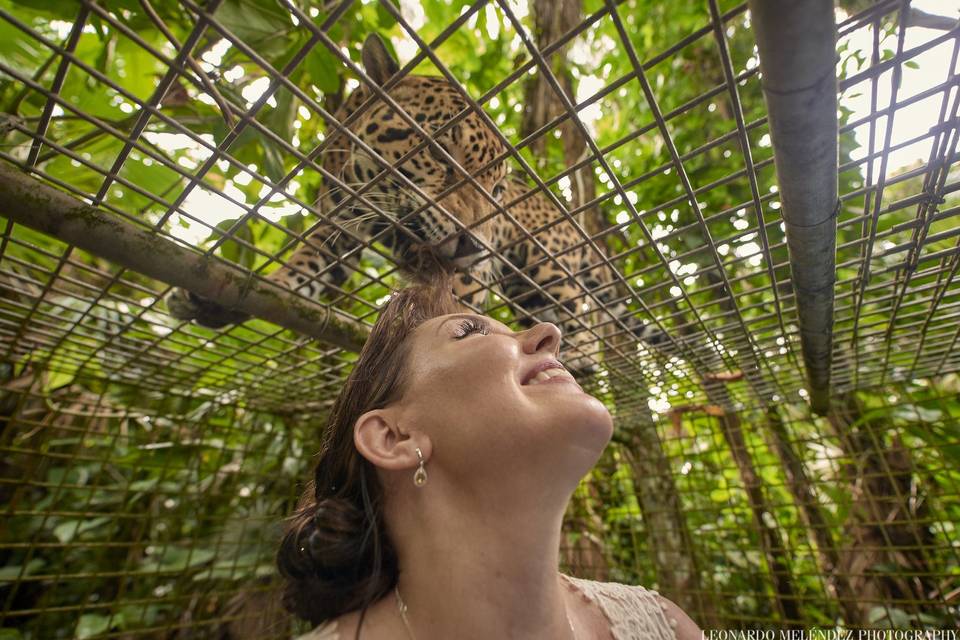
[{"x": 377, "y": 61}]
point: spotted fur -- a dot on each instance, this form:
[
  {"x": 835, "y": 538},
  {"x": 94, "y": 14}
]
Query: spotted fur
[{"x": 382, "y": 138}]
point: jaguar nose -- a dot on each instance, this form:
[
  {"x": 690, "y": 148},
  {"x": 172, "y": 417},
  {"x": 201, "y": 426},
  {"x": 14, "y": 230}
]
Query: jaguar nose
[{"x": 466, "y": 246}]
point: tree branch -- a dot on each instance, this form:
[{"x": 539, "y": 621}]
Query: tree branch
[{"x": 27, "y": 201}]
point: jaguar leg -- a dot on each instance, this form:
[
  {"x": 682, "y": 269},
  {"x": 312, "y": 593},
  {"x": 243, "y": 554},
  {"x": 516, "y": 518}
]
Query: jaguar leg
[
  {"x": 321, "y": 264},
  {"x": 318, "y": 265}
]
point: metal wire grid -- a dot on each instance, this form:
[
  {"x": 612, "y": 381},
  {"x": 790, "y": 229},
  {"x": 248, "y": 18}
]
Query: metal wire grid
[
  {"x": 700, "y": 356},
  {"x": 154, "y": 156},
  {"x": 110, "y": 449},
  {"x": 112, "y": 319},
  {"x": 217, "y": 573},
  {"x": 935, "y": 269},
  {"x": 715, "y": 506}
]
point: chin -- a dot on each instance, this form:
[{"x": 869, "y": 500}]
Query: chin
[{"x": 593, "y": 424}]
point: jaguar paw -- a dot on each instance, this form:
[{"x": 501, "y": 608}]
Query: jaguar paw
[{"x": 186, "y": 305}]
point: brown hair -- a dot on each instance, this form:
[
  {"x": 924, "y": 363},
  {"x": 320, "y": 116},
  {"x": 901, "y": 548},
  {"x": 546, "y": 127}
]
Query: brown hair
[{"x": 336, "y": 556}]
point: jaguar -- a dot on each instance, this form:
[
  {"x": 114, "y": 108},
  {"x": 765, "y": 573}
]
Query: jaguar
[{"x": 430, "y": 215}]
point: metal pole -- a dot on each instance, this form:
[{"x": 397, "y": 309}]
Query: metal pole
[
  {"x": 796, "y": 40},
  {"x": 32, "y": 203}
]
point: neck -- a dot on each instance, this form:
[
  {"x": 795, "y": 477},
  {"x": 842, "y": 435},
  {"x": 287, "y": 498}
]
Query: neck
[{"x": 471, "y": 567}]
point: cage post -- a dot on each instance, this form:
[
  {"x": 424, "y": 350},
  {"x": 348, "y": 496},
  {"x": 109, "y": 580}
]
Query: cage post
[
  {"x": 32, "y": 203},
  {"x": 797, "y": 46}
]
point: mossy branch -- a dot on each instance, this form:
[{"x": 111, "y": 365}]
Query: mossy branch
[{"x": 34, "y": 204}]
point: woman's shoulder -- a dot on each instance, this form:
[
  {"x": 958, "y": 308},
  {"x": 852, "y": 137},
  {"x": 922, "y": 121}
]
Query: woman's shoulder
[
  {"x": 637, "y": 612},
  {"x": 614, "y": 589}
]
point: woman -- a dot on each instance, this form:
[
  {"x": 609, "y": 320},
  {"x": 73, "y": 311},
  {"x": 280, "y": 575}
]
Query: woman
[{"x": 442, "y": 480}]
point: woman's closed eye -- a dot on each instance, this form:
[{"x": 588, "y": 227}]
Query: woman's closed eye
[{"x": 469, "y": 326}]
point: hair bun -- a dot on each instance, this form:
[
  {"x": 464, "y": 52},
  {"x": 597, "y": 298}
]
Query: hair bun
[
  {"x": 330, "y": 560},
  {"x": 334, "y": 536}
]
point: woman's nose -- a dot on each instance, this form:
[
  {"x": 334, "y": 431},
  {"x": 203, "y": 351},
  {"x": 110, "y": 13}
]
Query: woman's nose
[{"x": 542, "y": 336}]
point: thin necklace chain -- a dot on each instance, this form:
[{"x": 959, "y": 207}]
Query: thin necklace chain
[{"x": 402, "y": 607}]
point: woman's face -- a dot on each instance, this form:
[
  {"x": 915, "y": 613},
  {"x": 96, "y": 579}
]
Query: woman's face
[{"x": 471, "y": 391}]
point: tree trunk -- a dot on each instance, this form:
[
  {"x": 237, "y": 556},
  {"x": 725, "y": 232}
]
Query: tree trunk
[
  {"x": 670, "y": 544},
  {"x": 886, "y": 558},
  {"x": 552, "y": 19},
  {"x": 813, "y": 518},
  {"x": 774, "y": 549}
]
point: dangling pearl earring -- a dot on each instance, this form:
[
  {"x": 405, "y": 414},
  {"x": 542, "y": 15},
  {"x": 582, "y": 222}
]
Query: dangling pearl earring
[{"x": 420, "y": 477}]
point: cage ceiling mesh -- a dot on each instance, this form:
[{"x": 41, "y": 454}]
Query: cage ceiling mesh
[
  {"x": 895, "y": 297},
  {"x": 206, "y": 125}
]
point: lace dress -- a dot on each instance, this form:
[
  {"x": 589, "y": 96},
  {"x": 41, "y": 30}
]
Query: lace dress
[{"x": 634, "y": 613}]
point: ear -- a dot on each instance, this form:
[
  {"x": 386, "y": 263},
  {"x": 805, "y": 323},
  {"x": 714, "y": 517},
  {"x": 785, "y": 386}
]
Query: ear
[
  {"x": 378, "y": 438},
  {"x": 377, "y": 61}
]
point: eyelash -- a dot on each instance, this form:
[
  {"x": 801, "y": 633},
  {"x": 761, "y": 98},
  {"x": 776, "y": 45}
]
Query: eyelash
[{"x": 468, "y": 327}]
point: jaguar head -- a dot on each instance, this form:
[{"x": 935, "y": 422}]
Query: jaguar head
[{"x": 429, "y": 183}]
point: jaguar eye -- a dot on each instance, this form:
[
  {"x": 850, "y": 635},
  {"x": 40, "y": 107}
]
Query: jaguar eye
[{"x": 498, "y": 191}]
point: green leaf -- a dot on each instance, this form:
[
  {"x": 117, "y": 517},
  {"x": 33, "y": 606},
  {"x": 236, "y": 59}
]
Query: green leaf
[
  {"x": 68, "y": 530},
  {"x": 323, "y": 69},
  {"x": 106, "y": 56},
  {"x": 92, "y": 624},
  {"x": 57, "y": 379},
  {"x": 295, "y": 223},
  {"x": 13, "y": 572},
  {"x": 280, "y": 118},
  {"x": 938, "y": 439},
  {"x": 139, "y": 615},
  {"x": 24, "y": 54},
  {"x": 386, "y": 20},
  {"x": 243, "y": 567},
  {"x": 60, "y": 10},
  {"x": 916, "y": 413},
  {"x": 720, "y": 495},
  {"x": 272, "y": 160},
  {"x": 144, "y": 485},
  {"x": 176, "y": 559},
  {"x": 232, "y": 250},
  {"x": 261, "y": 25}
]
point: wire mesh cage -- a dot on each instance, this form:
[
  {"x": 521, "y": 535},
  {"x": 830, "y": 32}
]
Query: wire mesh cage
[{"x": 148, "y": 461}]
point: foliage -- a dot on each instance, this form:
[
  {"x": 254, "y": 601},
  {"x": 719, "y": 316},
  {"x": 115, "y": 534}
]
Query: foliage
[{"x": 153, "y": 509}]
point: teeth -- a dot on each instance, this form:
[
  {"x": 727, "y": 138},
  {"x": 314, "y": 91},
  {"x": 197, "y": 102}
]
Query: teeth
[{"x": 546, "y": 374}]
